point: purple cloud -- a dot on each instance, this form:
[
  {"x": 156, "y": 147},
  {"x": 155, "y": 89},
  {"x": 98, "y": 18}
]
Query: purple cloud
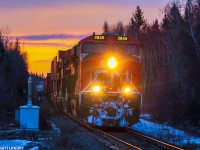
[
  {"x": 47, "y": 44},
  {"x": 53, "y": 3},
  {"x": 50, "y": 36}
]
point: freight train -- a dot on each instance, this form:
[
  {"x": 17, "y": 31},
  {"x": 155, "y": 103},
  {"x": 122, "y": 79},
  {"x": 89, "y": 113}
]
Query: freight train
[{"x": 99, "y": 80}]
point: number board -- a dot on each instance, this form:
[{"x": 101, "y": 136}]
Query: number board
[
  {"x": 99, "y": 37},
  {"x": 122, "y": 38}
]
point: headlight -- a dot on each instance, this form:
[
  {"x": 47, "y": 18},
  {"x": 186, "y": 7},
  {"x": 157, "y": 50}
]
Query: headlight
[
  {"x": 96, "y": 88},
  {"x": 127, "y": 90},
  {"x": 112, "y": 63}
]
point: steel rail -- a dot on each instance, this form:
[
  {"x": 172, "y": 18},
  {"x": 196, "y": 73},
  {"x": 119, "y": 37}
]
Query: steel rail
[
  {"x": 153, "y": 140},
  {"x": 116, "y": 141}
]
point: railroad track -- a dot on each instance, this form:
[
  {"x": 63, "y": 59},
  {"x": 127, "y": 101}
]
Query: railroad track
[
  {"x": 114, "y": 140},
  {"x": 152, "y": 140},
  {"x": 124, "y": 144}
]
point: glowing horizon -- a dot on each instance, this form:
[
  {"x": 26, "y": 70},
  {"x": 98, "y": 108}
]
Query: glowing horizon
[
  {"x": 41, "y": 52},
  {"x": 46, "y": 26}
]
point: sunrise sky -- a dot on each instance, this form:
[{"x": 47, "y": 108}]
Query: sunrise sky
[{"x": 46, "y": 26}]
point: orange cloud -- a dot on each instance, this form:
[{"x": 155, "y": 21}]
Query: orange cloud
[{"x": 40, "y": 54}]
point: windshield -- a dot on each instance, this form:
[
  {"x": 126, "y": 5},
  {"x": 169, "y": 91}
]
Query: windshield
[
  {"x": 95, "y": 48},
  {"x": 126, "y": 48},
  {"x": 108, "y": 79}
]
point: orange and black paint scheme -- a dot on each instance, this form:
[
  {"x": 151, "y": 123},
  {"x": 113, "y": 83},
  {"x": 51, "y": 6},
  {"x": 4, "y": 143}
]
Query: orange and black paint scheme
[{"x": 99, "y": 80}]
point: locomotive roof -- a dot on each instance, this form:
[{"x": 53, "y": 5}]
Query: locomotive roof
[{"x": 110, "y": 35}]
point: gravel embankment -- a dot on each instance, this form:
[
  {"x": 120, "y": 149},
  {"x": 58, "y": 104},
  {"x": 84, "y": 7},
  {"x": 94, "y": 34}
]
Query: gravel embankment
[{"x": 74, "y": 136}]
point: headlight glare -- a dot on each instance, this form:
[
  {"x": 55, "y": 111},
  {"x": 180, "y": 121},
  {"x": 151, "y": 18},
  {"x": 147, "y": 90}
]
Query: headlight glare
[
  {"x": 96, "y": 89},
  {"x": 127, "y": 90},
  {"x": 112, "y": 63}
]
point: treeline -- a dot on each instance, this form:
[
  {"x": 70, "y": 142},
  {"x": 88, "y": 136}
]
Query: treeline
[
  {"x": 171, "y": 61},
  {"x": 13, "y": 73}
]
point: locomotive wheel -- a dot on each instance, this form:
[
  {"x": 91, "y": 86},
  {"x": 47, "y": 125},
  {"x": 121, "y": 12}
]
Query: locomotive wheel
[
  {"x": 136, "y": 115},
  {"x": 68, "y": 103},
  {"x": 134, "y": 118},
  {"x": 83, "y": 111}
]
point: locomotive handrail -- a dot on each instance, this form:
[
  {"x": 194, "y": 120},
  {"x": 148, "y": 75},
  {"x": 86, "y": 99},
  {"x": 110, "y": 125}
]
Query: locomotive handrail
[
  {"x": 85, "y": 89},
  {"x": 122, "y": 144},
  {"x": 137, "y": 92},
  {"x": 153, "y": 140},
  {"x": 138, "y": 58},
  {"x": 133, "y": 85}
]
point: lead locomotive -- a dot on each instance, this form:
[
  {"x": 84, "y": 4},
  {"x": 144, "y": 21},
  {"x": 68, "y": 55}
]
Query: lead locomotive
[{"x": 99, "y": 80}]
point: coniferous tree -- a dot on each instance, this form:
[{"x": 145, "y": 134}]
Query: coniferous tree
[
  {"x": 105, "y": 27},
  {"x": 120, "y": 28},
  {"x": 192, "y": 23},
  {"x": 132, "y": 28},
  {"x": 165, "y": 23},
  {"x": 140, "y": 22}
]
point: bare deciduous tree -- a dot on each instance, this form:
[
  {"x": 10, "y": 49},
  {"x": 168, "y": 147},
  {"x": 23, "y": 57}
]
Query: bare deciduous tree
[{"x": 14, "y": 72}]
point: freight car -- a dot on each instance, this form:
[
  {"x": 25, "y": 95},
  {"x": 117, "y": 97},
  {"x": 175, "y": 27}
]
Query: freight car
[{"x": 99, "y": 80}]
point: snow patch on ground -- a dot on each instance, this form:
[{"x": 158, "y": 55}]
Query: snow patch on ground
[
  {"x": 35, "y": 148},
  {"x": 12, "y": 143},
  {"x": 146, "y": 116},
  {"x": 54, "y": 128},
  {"x": 9, "y": 131},
  {"x": 20, "y": 145},
  {"x": 166, "y": 133},
  {"x": 17, "y": 145}
]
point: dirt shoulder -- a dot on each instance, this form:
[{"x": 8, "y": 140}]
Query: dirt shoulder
[{"x": 72, "y": 135}]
